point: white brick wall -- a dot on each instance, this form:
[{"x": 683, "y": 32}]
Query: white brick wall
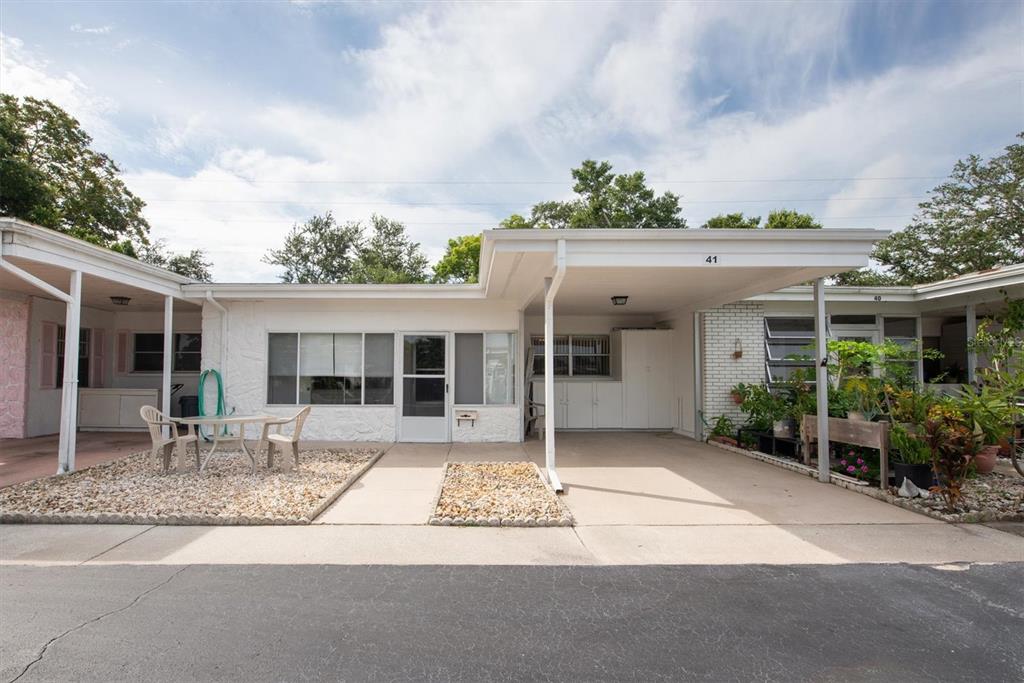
[{"x": 743, "y": 320}]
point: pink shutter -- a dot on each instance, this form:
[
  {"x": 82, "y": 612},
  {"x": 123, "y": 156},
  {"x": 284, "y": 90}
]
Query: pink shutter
[
  {"x": 122, "y": 351},
  {"x": 98, "y": 362},
  {"x": 48, "y": 366}
]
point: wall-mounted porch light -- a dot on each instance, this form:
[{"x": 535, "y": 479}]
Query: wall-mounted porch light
[
  {"x": 120, "y": 300},
  {"x": 619, "y": 300},
  {"x": 737, "y": 350}
]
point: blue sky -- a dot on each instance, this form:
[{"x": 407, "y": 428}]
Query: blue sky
[{"x": 234, "y": 120}]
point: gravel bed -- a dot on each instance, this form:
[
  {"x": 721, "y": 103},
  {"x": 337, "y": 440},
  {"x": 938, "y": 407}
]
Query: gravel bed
[
  {"x": 132, "y": 490},
  {"x": 991, "y": 497},
  {"x": 497, "y": 494}
]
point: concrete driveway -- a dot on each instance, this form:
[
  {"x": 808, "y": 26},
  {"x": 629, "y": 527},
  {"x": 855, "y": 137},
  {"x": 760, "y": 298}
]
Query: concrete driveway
[{"x": 621, "y": 478}]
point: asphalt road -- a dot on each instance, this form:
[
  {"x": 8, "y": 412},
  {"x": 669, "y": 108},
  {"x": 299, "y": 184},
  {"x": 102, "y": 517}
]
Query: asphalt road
[{"x": 255, "y": 623}]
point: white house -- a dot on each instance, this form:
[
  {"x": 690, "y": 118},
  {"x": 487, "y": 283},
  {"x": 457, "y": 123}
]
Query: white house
[{"x": 608, "y": 329}]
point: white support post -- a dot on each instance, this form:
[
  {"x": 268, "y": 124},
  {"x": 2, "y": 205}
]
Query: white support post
[
  {"x": 821, "y": 377},
  {"x": 69, "y": 395},
  {"x": 165, "y": 384},
  {"x": 551, "y": 286},
  {"x": 698, "y": 379},
  {"x": 972, "y": 331}
]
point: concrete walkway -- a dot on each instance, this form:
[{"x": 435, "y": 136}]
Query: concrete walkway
[
  {"x": 637, "y": 499},
  {"x": 27, "y": 459}
]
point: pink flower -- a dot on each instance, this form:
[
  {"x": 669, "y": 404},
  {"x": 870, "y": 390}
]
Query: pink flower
[
  {"x": 843, "y": 463},
  {"x": 860, "y": 461},
  {"x": 851, "y": 469},
  {"x": 864, "y": 468}
]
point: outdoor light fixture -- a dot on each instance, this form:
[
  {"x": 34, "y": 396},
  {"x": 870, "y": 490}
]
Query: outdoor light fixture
[
  {"x": 120, "y": 300},
  {"x": 737, "y": 352},
  {"x": 619, "y": 300}
]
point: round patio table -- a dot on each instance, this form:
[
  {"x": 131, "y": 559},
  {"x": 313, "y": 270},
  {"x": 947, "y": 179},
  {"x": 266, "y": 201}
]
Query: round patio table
[{"x": 218, "y": 421}]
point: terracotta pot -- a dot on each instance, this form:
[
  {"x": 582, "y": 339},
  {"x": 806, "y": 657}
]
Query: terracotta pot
[
  {"x": 985, "y": 459},
  {"x": 737, "y": 398},
  {"x": 1004, "y": 448}
]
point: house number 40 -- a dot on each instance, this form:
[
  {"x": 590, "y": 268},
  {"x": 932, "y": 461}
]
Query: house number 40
[{"x": 711, "y": 259}]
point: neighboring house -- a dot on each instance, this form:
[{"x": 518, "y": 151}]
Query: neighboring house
[{"x": 646, "y": 332}]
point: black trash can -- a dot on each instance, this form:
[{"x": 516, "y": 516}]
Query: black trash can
[{"x": 189, "y": 406}]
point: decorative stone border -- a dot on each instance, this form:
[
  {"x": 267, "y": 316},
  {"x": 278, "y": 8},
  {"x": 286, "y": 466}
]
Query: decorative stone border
[
  {"x": 186, "y": 520},
  {"x": 565, "y": 520},
  {"x": 864, "y": 488}
]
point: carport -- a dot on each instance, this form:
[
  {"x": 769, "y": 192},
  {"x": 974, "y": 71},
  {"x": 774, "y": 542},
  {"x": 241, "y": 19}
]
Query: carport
[
  {"x": 668, "y": 276},
  {"x": 37, "y": 265}
]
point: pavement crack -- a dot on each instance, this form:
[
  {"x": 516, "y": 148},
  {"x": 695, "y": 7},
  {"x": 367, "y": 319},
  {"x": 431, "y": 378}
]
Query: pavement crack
[{"x": 93, "y": 620}]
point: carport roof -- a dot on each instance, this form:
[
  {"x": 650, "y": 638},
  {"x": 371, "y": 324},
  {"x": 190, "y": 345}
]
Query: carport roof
[{"x": 661, "y": 270}]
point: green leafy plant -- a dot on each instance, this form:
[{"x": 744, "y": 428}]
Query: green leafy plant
[
  {"x": 762, "y": 407},
  {"x": 988, "y": 411},
  {"x": 907, "y": 405},
  {"x": 1004, "y": 350},
  {"x": 724, "y": 427},
  {"x": 909, "y": 448},
  {"x": 865, "y": 392},
  {"x": 951, "y": 442}
]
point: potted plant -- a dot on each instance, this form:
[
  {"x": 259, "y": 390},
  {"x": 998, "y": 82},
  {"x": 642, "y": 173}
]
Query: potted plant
[
  {"x": 912, "y": 457},
  {"x": 864, "y": 391},
  {"x": 989, "y": 413},
  {"x": 765, "y": 411},
  {"x": 724, "y": 431},
  {"x": 737, "y": 393}
]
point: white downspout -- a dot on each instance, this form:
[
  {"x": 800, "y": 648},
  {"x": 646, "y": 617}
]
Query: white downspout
[
  {"x": 821, "y": 377},
  {"x": 971, "y": 318},
  {"x": 551, "y": 285},
  {"x": 223, "y": 330}
]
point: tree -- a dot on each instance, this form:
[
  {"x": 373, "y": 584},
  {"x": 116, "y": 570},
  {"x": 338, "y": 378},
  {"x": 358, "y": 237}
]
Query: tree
[
  {"x": 974, "y": 221},
  {"x": 461, "y": 262},
  {"x": 865, "y": 277},
  {"x": 605, "y": 200},
  {"x": 788, "y": 219},
  {"x": 193, "y": 264},
  {"x": 732, "y": 221},
  {"x": 389, "y": 256},
  {"x": 50, "y": 176},
  {"x": 319, "y": 251}
]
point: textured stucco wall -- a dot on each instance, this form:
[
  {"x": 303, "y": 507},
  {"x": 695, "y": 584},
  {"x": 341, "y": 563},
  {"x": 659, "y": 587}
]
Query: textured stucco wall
[
  {"x": 496, "y": 423},
  {"x": 245, "y": 366},
  {"x": 14, "y": 320},
  {"x": 743, "y": 320}
]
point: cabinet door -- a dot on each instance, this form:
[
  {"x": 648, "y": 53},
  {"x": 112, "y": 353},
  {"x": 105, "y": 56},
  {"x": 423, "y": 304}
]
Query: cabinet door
[
  {"x": 579, "y": 405},
  {"x": 634, "y": 378},
  {"x": 660, "y": 394},
  {"x": 608, "y": 405},
  {"x": 560, "y": 405},
  {"x": 99, "y": 410}
]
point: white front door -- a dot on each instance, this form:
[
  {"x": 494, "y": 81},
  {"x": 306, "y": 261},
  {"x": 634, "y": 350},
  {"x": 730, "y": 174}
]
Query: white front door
[{"x": 424, "y": 415}]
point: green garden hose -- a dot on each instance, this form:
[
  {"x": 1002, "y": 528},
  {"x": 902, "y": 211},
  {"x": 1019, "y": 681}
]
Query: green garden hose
[{"x": 202, "y": 398}]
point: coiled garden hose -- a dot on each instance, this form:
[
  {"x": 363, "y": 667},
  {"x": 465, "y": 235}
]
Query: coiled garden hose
[{"x": 220, "y": 409}]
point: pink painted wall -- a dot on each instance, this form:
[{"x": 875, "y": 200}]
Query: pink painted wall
[{"x": 14, "y": 317}]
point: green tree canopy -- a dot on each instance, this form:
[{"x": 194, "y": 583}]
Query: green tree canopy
[
  {"x": 389, "y": 256},
  {"x": 789, "y": 219},
  {"x": 605, "y": 200},
  {"x": 321, "y": 250},
  {"x": 194, "y": 264},
  {"x": 50, "y": 176},
  {"x": 732, "y": 221},
  {"x": 973, "y": 221},
  {"x": 461, "y": 261}
]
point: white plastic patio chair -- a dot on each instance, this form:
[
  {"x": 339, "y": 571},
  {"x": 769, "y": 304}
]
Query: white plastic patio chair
[
  {"x": 277, "y": 440},
  {"x": 154, "y": 419}
]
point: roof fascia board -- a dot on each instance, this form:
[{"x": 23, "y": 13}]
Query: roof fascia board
[
  {"x": 331, "y": 291},
  {"x": 28, "y": 241}
]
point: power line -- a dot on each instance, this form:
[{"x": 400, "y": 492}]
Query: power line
[
  {"x": 687, "y": 181},
  {"x": 394, "y": 203},
  {"x": 460, "y": 223}
]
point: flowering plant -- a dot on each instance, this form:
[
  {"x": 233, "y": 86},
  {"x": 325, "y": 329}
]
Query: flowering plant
[{"x": 855, "y": 465}]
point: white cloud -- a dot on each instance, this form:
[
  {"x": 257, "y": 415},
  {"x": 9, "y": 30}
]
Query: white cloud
[
  {"x": 95, "y": 30},
  {"x": 524, "y": 91}
]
